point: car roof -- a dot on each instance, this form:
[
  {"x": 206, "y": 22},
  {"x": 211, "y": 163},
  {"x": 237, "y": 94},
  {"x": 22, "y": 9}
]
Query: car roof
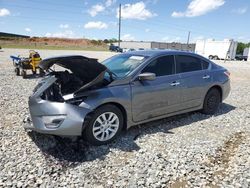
[{"x": 152, "y": 53}]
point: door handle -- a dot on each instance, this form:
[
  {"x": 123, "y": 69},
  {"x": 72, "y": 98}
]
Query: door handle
[
  {"x": 206, "y": 77},
  {"x": 175, "y": 83}
]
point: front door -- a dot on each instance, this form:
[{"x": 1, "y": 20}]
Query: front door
[{"x": 160, "y": 96}]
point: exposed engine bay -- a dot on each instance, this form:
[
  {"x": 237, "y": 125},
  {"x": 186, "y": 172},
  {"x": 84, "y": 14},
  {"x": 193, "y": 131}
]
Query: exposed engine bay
[
  {"x": 80, "y": 74},
  {"x": 67, "y": 83}
]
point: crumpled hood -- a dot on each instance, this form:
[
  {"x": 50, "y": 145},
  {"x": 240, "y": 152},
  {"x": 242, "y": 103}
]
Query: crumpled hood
[{"x": 87, "y": 69}]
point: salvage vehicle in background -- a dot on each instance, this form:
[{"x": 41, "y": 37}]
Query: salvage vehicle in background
[
  {"x": 99, "y": 100},
  {"x": 241, "y": 58},
  {"x": 114, "y": 48},
  {"x": 212, "y": 49}
]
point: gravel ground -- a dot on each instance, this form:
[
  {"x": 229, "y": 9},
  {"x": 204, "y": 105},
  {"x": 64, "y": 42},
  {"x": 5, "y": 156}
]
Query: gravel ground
[{"x": 190, "y": 150}]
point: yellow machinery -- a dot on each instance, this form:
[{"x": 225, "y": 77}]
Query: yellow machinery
[
  {"x": 34, "y": 60},
  {"x": 31, "y": 63}
]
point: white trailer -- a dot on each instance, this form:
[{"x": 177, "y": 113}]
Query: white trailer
[
  {"x": 212, "y": 49},
  {"x": 246, "y": 53}
]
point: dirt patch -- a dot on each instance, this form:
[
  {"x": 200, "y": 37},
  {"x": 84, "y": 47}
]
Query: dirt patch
[
  {"x": 229, "y": 149},
  {"x": 179, "y": 184},
  {"x": 224, "y": 155},
  {"x": 43, "y": 42}
]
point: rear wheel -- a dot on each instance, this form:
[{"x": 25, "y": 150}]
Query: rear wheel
[
  {"x": 211, "y": 101},
  {"x": 103, "y": 125},
  {"x": 216, "y": 57}
]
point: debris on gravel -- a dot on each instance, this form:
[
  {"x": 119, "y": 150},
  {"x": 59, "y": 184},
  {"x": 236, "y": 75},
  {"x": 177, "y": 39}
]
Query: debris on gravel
[{"x": 189, "y": 150}]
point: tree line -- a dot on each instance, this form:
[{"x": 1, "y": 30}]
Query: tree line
[{"x": 241, "y": 46}]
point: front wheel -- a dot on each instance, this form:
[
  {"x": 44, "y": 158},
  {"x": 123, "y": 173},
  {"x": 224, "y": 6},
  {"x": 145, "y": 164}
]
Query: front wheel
[
  {"x": 103, "y": 125},
  {"x": 23, "y": 73},
  {"x": 211, "y": 101}
]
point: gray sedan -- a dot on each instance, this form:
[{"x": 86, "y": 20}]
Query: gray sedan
[{"x": 99, "y": 100}]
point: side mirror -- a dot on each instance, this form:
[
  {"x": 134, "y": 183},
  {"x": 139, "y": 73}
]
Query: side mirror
[{"x": 147, "y": 76}]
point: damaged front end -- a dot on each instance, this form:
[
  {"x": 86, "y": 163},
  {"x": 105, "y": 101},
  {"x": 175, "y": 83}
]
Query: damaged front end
[{"x": 54, "y": 106}]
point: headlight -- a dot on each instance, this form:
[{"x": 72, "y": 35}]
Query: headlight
[{"x": 53, "y": 121}]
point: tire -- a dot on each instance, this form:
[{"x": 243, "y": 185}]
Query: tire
[
  {"x": 210, "y": 57},
  {"x": 211, "y": 102},
  {"x": 103, "y": 133},
  {"x": 17, "y": 71},
  {"x": 216, "y": 58},
  {"x": 23, "y": 73}
]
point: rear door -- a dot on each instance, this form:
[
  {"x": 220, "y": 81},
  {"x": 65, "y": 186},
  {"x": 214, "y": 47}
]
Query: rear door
[
  {"x": 195, "y": 79},
  {"x": 160, "y": 96}
]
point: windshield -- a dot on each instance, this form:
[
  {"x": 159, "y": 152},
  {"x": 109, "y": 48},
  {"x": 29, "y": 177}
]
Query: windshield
[{"x": 122, "y": 65}]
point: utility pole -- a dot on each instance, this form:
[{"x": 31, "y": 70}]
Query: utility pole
[
  {"x": 119, "y": 34},
  {"x": 188, "y": 37}
]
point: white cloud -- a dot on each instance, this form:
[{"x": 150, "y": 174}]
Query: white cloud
[
  {"x": 127, "y": 37},
  {"x": 96, "y": 25},
  {"x": 95, "y": 9},
  {"x": 168, "y": 39},
  {"x": 65, "y": 34},
  {"x": 242, "y": 10},
  {"x": 64, "y": 26},
  {"x": 199, "y": 7},
  {"x": 243, "y": 39},
  {"x": 147, "y": 30},
  {"x": 135, "y": 11},
  {"x": 27, "y": 29},
  {"x": 4, "y": 12},
  {"x": 108, "y": 3}
]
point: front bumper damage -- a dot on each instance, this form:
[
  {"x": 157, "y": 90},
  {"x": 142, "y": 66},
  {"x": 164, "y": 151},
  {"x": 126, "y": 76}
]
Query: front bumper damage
[
  {"x": 66, "y": 119},
  {"x": 71, "y": 123}
]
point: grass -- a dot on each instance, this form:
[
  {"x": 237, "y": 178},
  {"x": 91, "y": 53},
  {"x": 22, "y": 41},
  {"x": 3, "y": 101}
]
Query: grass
[{"x": 45, "y": 47}]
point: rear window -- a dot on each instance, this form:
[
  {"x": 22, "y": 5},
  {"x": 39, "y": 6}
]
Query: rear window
[{"x": 186, "y": 63}]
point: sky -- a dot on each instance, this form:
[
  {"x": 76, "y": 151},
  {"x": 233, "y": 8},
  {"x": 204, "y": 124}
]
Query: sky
[{"x": 149, "y": 20}]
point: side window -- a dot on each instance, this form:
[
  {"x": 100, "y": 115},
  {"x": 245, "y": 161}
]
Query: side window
[
  {"x": 161, "y": 66},
  {"x": 186, "y": 63},
  {"x": 205, "y": 64}
]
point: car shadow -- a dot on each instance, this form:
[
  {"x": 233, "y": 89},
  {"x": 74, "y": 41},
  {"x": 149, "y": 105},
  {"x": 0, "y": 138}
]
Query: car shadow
[
  {"x": 70, "y": 152},
  {"x": 165, "y": 125}
]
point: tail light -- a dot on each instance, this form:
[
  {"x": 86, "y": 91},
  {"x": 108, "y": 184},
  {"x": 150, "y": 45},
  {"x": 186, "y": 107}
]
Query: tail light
[{"x": 227, "y": 73}]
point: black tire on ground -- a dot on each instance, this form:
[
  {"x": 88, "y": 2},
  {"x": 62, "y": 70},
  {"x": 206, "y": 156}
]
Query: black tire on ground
[
  {"x": 216, "y": 57},
  {"x": 17, "y": 71},
  {"x": 23, "y": 73},
  {"x": 210, "y": 57},
  {"x": 89, "y": 122},
  {"x": 211, "y": 101}
]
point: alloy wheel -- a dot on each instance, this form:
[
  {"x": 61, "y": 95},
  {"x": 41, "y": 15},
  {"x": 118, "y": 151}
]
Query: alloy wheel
[{"x": 105, "y": 126}]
